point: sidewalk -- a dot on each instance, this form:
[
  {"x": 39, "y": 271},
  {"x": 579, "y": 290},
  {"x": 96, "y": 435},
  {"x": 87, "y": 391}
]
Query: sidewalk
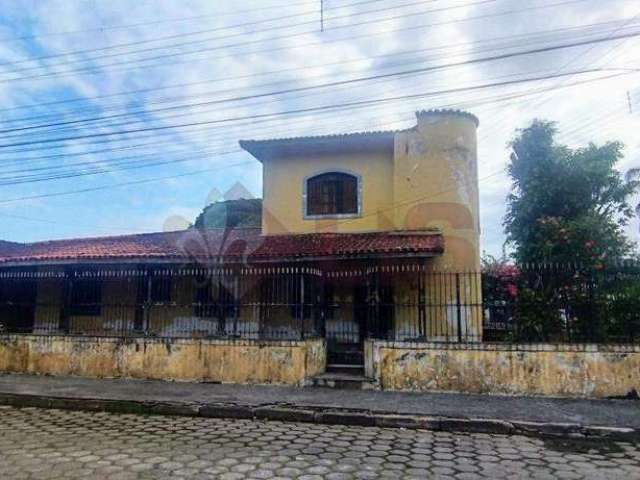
[{"x": 436, "y": 411}]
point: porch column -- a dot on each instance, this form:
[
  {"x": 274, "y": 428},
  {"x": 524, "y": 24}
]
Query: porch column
[
  {"x": 373, "y": 304},
  {"x": 143, "y": 297},
  {"x": 236, "y": 301},
  {"x": 322, "y": 291},
  {"x": 302, "y": 298},
  {"x": 146, "y": 319},
  {"x": 67, "y": 292},
  {"x": 458, "y": 308},
  {"x": 422, "y": 303},
  {"x": 222, "y": 304}
]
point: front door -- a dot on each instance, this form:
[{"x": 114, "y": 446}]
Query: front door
[{"x": 346, "y": 325}]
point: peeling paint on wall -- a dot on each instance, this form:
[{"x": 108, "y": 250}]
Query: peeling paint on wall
[
  {"x": 241, "y": 361},
  {"x": 593, "y": 371}
]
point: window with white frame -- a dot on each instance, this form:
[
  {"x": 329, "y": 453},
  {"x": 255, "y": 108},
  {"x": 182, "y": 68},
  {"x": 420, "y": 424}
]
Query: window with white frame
[{"x": 332, "y": 193}]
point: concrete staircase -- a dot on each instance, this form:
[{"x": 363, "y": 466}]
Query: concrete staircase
[{"x": 344, "y": 376}]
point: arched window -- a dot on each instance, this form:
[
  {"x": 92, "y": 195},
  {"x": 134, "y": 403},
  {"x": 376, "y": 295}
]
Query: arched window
[{"x": 332, "y": 193}]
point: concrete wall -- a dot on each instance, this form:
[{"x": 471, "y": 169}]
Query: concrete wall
[
  {"x": 237, "y": 361},
  {"x": 557, "y": 370}
]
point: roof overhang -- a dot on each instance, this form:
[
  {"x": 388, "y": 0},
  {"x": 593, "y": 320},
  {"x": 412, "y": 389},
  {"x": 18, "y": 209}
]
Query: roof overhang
[
  {"x": 225, "y": 247},
  {"x": 321, "y": 145},
  {"x": 213, "y": 262}
]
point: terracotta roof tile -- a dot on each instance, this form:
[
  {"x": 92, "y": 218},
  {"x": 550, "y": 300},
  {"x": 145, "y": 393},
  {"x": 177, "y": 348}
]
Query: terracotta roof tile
[{"x": 229, "y": 245}]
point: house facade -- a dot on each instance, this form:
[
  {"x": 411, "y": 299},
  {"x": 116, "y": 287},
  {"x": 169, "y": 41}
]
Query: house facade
[{"x": 364, "y": 236}]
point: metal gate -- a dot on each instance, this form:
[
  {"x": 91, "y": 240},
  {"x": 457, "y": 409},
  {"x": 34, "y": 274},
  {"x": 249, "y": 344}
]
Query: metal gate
[{"x": 366, "y": 312}]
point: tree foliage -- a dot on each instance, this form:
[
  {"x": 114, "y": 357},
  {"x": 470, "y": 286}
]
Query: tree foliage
[
  {"x": 231, "y": 214},
  {"x": 566, "y": 205}
]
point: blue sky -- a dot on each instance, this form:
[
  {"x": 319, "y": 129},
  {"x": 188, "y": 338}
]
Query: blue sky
[{"x": 146, "y": 64}]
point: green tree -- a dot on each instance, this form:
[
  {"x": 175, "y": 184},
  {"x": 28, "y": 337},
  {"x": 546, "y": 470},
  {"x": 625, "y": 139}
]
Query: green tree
[
  {"x": 567, "y": 205},
  {"x": 239, "y": 213},
  {"x": 632, "y": 175}
]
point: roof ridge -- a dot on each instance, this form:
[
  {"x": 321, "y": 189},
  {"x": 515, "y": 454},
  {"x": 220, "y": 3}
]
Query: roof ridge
[
  {"x": 327, "y": 136},
  {"x": 415, "y": 231}
]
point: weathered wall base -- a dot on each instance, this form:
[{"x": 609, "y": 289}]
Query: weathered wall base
[
  {"x": 235, "y": 361},
  {"x": 558, "y": 370}
]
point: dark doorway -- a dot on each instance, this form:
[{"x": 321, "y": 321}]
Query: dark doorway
[
  {"x": 346, "y": 326},
  {"x": 18, "y": 305}
]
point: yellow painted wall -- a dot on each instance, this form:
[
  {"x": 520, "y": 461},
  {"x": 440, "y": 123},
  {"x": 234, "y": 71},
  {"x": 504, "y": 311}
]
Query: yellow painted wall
[
  {"x": 436, "y": 185},
  {"x": 594, "y": 371},
  {"x": 118, "y": 310},
  {"x": 242, "y": 361},
  {"x": 283, "y": 191},
  {"x": 430, "y": 180}
]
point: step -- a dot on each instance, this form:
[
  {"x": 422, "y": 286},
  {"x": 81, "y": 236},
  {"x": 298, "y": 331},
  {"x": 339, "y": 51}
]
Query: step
[
  {"x": 347, "y": 381},
  {"x": 348, "y": 368}
]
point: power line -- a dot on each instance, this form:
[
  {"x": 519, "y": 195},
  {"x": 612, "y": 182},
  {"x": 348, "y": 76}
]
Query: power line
[
  {"x": 120, "y": 161},
  {"x": 129, "y": 165},
  {"x": 581, "y": 54},
  {"x": 297, "y": 45},
  {"x": 53, "y": 222},
  {"x": 197, "y": 172},
  {"x": 326, "y": 85},
  {"x": 330, "y": 84},
  {"x": 288, "y": 112},
  {"x": 211, "y": 30},
  {"x": 222, "y": 37},
  {"x": 236, "y": 125},
  {"x": 527, "y": 38},
  {"x": 157, "y": 22},
  {"x": 123, "y": 184}
]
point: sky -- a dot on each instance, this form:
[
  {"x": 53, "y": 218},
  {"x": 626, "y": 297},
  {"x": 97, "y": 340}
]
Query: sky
[{"x": 124, "y": 117}]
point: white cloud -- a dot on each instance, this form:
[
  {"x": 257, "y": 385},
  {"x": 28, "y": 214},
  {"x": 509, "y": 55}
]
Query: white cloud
[{"x": 596, "y": 111}]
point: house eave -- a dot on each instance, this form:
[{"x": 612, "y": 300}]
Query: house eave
[
  {"x": 321, "y": 145},
  {"x": 217, "y": 261}
]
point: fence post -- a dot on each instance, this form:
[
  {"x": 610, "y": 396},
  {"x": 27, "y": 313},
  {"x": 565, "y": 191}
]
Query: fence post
[
  {"x": 236, "y": 302},
  {"x": 422, "y": 311},
  {"x": 67, "y": 290},
  {"x": 302, "y": 305},
  {"x": 322, "y": 301},
  {"x": 458, "y": 308},
  {"x": 147, "y": 303},
  {"x": 221, "y": 303}
]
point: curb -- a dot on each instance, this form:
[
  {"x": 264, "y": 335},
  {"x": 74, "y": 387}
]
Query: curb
[{"x": 288, "y": 413}]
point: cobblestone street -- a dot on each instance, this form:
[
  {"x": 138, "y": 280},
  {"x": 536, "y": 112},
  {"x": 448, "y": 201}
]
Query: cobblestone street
[{"x": 48, "y": 444}]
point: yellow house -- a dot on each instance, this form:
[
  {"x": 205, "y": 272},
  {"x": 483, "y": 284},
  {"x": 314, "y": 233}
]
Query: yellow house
[
  {"x": 364, "y": 236},
  {"x": 422, "y": 178}
]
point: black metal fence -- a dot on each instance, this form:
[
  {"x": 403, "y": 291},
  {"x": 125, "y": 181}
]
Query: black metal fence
[
  {"x": 533, "y": 303},
  {"x": 562, "y": 303},
  {"x": 274, "y": 303}
]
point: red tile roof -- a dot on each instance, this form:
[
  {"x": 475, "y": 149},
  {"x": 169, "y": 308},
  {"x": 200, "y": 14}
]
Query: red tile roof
[
  {"x": 7, "y": 246},
  {"x": 230, "y": 245}
]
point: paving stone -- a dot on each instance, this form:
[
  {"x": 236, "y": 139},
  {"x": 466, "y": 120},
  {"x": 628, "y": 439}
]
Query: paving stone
[{"x": 53, "y": 444}]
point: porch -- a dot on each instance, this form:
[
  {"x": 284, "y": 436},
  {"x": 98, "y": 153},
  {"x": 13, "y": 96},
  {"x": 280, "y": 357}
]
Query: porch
[{"x": 345, "y": 303}]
